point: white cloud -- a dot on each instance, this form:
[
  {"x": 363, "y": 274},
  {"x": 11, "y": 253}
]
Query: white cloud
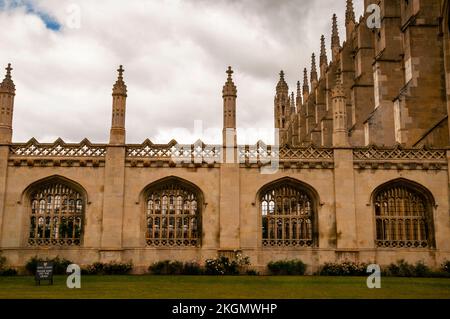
[{"x": 175, "y": 54}]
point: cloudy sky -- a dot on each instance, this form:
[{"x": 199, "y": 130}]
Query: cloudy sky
[{"x": 175, "y": 52}]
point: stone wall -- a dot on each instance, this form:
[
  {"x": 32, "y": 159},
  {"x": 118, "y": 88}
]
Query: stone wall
[{"x": 343, "y": 179}]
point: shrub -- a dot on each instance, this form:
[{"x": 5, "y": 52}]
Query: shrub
[
  {"x": 168, "y": 267},
  {"x": 446, "y": 266},
  {"x": 346, "y": 268},
  {"x": 115, "y": 268},
  {"x": 223, "y": 265},
  {"x": 405, "y": 269},
  {"x": 220, "y": 266},
  {"x": 287, "y": 267},
  {"x": 159, "y": 268},
  {"x": 111, "y": 268},
  {"x": 59, "y": 264},
  {"x": 192, "y": 268},
  {"x": 4, "y": 271},
  {"x": 8, "y": 272},
  {"x": 94, "y": 269},
  {"x": 400, "y": 269},
  {"x": 2, "y": 262},
  {"x": 422, "y": 270}
]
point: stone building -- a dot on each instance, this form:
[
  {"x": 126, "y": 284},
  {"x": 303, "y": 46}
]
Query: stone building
[{"x": 361, "y": 172}]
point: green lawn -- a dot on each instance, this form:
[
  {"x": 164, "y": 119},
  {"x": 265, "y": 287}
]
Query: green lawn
[{"x": 199, "y": 287}]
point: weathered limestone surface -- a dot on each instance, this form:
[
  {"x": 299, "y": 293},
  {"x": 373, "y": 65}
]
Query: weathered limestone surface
[{"x": 384, "y": 88}]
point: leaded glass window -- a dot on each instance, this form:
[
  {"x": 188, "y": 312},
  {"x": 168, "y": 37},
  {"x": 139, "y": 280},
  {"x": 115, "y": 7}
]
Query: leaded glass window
[
  {"x": 287, "y": 212},
  {"x": 403, "y": 218},
  {"x": 173, "y": 215},
  {"x": 56, "y": 216}
]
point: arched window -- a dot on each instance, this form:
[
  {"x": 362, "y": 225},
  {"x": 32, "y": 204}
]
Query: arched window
[
  {"x": 403, "y": 216},
  {"x": 177, "y": 222},
  {"x": 55, "y": 222},
  {"x": 288, "y": 215}
]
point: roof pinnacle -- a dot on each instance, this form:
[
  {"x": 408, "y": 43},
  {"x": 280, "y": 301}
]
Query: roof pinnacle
[
  {"x": 229, "y": 89},
  {"x": 323, "y": 51},
  {"x": 120, "y": 87},
  {"x": 8, "y": 71},
  {"x": 305, "y": 81},
  {"x": 335, "y": 41},
  {"x": 349, "y": 13},
  {"x": 313, "y": 68},
  {"x": 282, "y": 85},
  {"x": 230, "y": 73},
  {"x": 7, "y": 86}
]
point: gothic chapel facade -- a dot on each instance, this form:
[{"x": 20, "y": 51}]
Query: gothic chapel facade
[{"x": 363, "y": 167}]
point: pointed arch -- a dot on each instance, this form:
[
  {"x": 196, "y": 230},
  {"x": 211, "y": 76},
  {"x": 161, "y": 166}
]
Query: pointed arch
[
  {"x": 173, "y": 213},
  {"x": 288, "y": 211},
  {"x": 51, "y": 179},
  {"x": 403, "y": 212},
  {"x": 410, "y": 183},
  {"x": 56, "y": 209}
]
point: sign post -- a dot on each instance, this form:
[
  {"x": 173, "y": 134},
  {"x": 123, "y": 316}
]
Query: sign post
[{"x": 44, "y": 271}]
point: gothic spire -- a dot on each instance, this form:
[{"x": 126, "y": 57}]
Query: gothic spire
[
  {"x": 292, "y": 103},
  {"x": 229, "y": 89},
  {"x": 120, "y": 87},
  {"x": 299, "y": 96},
  {"x": 323, "y": 57},
  {"x": 282, "y": 85},
  {"x": 323, "y": 51},
  {"x": 349, "y": 13},
  {"x": 335, "y": 41},
  {"x": 313, "y": 70},
  {"x": 305, "y": 82},
  {"x": 350, "y": 21},
  {"x": 7, "y": 85}
]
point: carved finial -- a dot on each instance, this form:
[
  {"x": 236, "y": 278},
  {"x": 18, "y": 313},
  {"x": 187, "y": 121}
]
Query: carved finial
[
  {"x": 313, "y": 68},
  {"x": 305, "y": 81},
  {"x": 335, "y": 41},
  {"x": 282, "y": 85},
  {"x": 8, "y": 71},
  {"x": 8, "y": 85},
  {"x": 230, "y": 73},
  {"x": 120, "y": 70},
  {"x": 323, "y": 51},
  {"x": 349, "y": 13},
  {"x": 229, "y": 89},
  {"x": 298, "y": 88},
  {"x": 119, "y": 87}
]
